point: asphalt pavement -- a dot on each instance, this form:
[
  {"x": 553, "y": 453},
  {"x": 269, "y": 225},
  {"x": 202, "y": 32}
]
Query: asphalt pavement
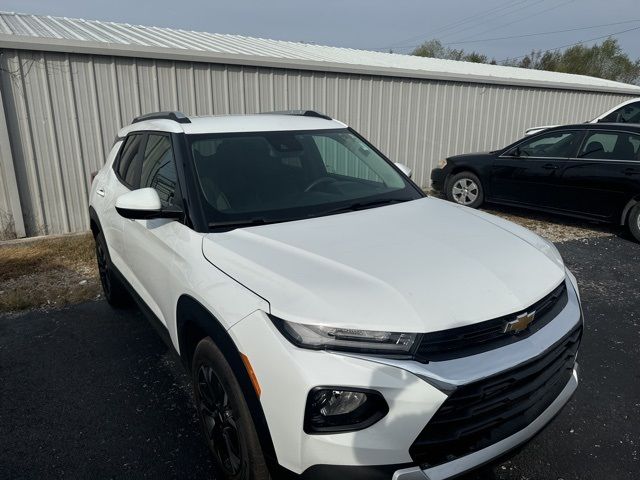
[{"x": 90, "y": 392}]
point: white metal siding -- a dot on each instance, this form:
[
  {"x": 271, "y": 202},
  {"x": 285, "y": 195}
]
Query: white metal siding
[{"x": 63, "y": 111}]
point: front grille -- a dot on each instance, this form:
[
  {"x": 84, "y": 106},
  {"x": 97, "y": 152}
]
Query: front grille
[
  {"x": 482, "y": 413},
  {"x": 488, "y": 335}
]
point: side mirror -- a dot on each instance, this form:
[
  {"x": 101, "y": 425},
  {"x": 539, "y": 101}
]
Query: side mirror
[
  {"x": 404, "y": 169},
  {"x": 516, "y": 152},
  {"x": 144, "y": 203}
]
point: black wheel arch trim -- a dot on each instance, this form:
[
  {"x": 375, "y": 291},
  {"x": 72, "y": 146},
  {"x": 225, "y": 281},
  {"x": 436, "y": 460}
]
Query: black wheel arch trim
[
  {"x": 191, "y": 313},
  {"x": 93, "y": 217}
]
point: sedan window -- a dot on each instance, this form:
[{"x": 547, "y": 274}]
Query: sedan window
[
  {"x": 561, "y": 144},
  {"x": 611, "y": 146}
]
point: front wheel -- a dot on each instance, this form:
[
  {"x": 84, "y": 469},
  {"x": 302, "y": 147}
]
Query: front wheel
[
  {"x": 225, "y": 417},
  {"x": 465, "y": 188},
  {"x": 634, "y": 222}
]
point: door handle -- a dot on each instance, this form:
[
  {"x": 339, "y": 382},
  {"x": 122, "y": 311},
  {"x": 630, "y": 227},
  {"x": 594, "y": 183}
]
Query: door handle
[
  {"x": 631, "y": 171},
  {"x": 550, "y": 166},
  {"x": 100, "y": 191}
]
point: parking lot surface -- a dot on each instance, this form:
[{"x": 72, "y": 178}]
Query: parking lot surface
[{"x": 89, "y": 392}]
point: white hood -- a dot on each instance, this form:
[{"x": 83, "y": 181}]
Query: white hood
[{"x": 419, "y": 266}]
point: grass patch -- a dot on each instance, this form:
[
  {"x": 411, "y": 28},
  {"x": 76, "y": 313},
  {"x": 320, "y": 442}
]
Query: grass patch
[{"x": 48, "y": 273}]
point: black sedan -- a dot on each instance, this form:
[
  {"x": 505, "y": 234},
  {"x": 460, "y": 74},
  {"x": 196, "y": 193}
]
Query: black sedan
[{"x": 588, "y": 170}]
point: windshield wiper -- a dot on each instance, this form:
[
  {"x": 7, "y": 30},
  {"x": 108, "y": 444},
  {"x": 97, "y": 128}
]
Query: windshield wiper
[
  {"x": 249, "y": 222},
  {"x": 363, "y": 205}
]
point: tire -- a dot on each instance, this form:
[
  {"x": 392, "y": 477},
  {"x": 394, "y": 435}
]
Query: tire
[
  {"x": 114, "y": 291},
  {"x": 465, "y": 188},
  {"x": 634, "y": 222},
  {"x": 224, "y": 416}
]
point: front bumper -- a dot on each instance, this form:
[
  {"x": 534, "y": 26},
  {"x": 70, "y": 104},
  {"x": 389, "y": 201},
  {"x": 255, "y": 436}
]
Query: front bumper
[
  {"x": 438, "y": 177},
  {"x": 497, "y": 450},
  {"x": 413, "y": 390}
]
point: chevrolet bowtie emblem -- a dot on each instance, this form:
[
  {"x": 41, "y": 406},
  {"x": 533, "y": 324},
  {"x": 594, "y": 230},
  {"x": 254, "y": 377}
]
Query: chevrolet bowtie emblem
[{"x": 520, "y": 323}]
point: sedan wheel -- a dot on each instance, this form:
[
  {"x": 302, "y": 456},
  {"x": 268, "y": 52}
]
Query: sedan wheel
[
  {"x": 465, "y": 189},
  {"x": 634, "y": 222}
]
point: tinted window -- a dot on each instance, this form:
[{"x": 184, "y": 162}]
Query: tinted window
[
  {"x": 338, "y": 158},
  {"x": 131, "y": 161},
  {"x": 159, "y": 169},
  {"x": 279, "y": 176},
  {"x": 553, "y": 144},
  {"x": 611, "y": 146},
  {"x": 627, "y": 114}
]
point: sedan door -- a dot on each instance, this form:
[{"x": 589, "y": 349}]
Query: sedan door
[
  {"x": 604, "y": 175},
  {"x": 529, "y": 173}
]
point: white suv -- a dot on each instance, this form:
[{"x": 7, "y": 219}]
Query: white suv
[
  {"x": 626, "y": 112},
  {"x": 337, "y": 323}
]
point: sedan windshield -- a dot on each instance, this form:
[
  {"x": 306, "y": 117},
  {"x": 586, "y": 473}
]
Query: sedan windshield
[{"x": 268, "y": 177}]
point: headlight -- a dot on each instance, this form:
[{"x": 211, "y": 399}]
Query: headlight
[
  {"x": 318, "y": 337},
  {"x": 442, "y": 163}
]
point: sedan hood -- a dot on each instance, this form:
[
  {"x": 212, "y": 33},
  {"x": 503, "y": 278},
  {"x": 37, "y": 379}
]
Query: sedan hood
[{"x": 419, "y": 266}]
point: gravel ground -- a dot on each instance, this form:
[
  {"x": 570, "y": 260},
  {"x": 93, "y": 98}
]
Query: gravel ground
[
  {"x": 555, "y": 227},
  {"x": 89, "y": 392}
]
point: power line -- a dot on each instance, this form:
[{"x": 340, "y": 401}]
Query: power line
[
  {"x": 525, "y": 18},
  {"x": 506, "y": 14},
  {"x": 542, "y": 33},
  {"x": 471, "y": 18},
  {"x": 575, "y": 44},
  {"x": 537, "y": 34}
]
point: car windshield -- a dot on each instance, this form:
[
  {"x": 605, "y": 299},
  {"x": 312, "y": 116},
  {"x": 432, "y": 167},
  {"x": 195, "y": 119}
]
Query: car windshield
[{"x": 267, "y": 177}]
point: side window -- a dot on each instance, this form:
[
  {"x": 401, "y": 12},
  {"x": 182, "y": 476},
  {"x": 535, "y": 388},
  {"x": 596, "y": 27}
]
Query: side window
[
  {"x": 159, "y": 169},
  {"x": 131, "y": 160},
  {"x": 627, "y": 114},
  {"x": 549, "y": 145},
  {"x": 339, "y": 159},
  {"x": 611, "y": 146}
]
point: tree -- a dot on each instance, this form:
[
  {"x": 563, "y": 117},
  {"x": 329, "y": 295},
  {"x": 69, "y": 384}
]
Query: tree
[
  {"x": 605, "y": 60},
  {"x": 435, "y": 49}
]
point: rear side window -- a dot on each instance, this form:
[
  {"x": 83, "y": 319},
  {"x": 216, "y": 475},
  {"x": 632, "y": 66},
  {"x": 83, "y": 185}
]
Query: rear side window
[
  {"x": 159, "y": 169},
  {"x": 611, "y": 146},
  {"x": 130, "y": 163}
]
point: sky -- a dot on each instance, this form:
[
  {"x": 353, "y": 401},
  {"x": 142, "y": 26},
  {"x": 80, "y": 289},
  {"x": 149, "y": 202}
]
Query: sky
[{"x": 398, "y": 25}]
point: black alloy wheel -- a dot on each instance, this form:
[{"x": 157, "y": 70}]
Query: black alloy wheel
[{"x": 219, "y": 421}]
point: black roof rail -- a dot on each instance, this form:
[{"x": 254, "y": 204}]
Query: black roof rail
[
  {"x": 175, "y": 116},
  {"x": 301, "y": 113}
]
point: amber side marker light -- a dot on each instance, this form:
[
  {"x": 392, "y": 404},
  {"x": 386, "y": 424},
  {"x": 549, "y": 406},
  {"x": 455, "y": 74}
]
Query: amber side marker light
[{"x": 252, "y": 374}]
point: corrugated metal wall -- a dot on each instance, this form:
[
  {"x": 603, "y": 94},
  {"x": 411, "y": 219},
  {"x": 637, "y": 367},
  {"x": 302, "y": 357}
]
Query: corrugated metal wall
[{"x": 63, "y": 111}]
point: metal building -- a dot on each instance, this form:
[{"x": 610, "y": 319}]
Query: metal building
[{"x": 68, "y": 85}]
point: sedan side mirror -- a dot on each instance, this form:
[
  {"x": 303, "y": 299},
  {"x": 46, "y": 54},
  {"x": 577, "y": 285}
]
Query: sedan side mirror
[
  {"x": 404, "y": 169},
  {"x": 144, "y": 203}
]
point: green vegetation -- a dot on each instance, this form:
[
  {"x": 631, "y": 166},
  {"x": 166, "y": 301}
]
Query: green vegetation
[{"x": 605, "y": 60}]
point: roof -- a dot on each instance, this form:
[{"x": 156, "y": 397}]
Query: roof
[
  {"x": 47, "y": 33},
  {"x": 235, "y": 124}
]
